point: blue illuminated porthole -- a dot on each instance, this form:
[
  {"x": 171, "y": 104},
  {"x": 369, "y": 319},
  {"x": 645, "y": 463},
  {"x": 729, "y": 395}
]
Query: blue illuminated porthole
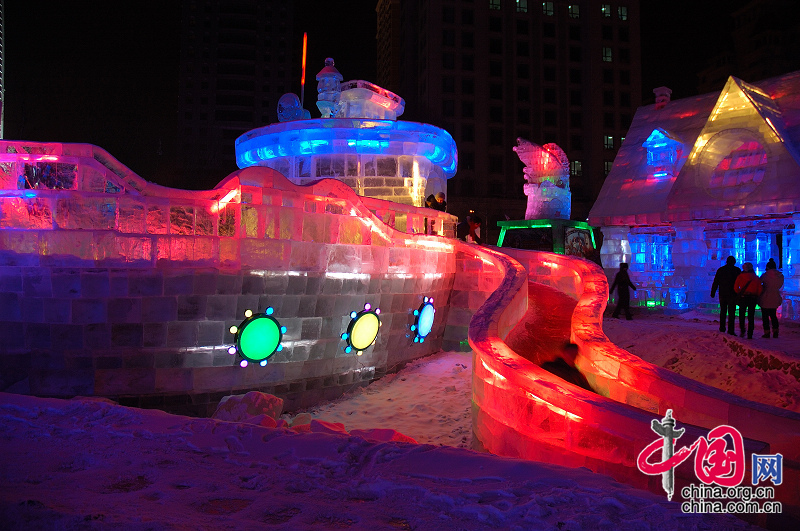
[
  {"x": 424, "y": 320},
  {"x": 257, "y": 338},
  {"x": 362, "y": 330}
]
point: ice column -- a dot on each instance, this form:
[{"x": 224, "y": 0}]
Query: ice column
[
  {"x": 329, "y": 89},
  {"x": 689, "y": 255},
  {"x": 616, "y": 248},
  {"x": 791, "y": 272}
]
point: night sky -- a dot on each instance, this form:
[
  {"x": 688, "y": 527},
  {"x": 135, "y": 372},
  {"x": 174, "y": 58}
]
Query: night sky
[{"x": 105, "y": 73}]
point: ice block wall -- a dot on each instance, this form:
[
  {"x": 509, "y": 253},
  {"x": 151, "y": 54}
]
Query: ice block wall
[
  {"x": 674, "y": 266},
  {"x": 521, "y": 410},
  {"x": 791, "y": 272},
  {"x": 477, "y": 277},
  {"x": 116, "y": 287}
]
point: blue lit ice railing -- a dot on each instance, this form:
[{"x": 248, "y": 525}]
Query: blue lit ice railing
[{"x": 352, "y": 136}]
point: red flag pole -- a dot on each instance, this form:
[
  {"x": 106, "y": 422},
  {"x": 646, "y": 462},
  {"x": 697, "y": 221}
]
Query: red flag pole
[{"x": 303, "y": 78}]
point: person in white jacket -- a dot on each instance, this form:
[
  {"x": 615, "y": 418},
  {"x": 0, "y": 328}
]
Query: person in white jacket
[{"x": 770, "y": 298}]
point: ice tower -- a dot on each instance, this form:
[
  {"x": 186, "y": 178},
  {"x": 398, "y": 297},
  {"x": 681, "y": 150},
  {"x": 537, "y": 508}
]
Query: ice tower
[
  {"x": 358, "y": 141},
  {"x": 701, "y": 179}
]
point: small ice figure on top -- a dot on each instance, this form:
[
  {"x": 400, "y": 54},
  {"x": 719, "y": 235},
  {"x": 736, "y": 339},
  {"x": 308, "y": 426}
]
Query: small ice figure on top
[
  {"x": 547, "y": 175},
  {"x": 289, "y": 108},
  {"x": 329, "y": 89}
]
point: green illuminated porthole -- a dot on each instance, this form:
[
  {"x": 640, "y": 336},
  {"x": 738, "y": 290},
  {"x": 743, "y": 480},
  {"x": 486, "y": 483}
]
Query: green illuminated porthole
[{"x": 257, "y": 338}]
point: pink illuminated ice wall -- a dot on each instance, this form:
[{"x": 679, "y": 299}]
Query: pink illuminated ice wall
[{"x": 113, "y": 286}]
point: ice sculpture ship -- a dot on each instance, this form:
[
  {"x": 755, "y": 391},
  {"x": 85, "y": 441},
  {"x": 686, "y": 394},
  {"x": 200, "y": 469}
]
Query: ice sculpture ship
[
  {"x": 114, "y": 286},
  {"x": 701, "y": 179}
]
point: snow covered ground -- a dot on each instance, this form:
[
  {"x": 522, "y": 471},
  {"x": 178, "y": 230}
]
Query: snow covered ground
[
  {"x": 430, "y": 401},
  {"x": 89, "y": 464},
  {"x": 766, "y": 370}
]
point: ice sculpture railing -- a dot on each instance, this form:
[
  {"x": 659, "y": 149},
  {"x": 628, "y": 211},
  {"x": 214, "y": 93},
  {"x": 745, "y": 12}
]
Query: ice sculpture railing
[
  {"x": 520, "y": 410},
  {"x": 89, "y": 155}
]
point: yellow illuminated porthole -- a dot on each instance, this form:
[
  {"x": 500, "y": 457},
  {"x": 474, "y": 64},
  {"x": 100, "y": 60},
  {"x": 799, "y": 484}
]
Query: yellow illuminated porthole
[{"x": 362, "y": 330}]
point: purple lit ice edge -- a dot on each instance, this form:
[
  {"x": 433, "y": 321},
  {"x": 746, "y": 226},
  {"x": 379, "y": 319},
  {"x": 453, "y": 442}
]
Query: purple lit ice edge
[{"x": 324, "y": 136}]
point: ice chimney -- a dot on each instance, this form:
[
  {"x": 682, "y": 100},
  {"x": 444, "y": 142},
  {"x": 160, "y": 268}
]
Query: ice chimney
[{"x": 662, "y": 96}]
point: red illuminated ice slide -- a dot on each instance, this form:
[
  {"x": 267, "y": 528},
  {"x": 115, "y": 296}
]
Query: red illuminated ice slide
[{"x": 520, "y": 410}]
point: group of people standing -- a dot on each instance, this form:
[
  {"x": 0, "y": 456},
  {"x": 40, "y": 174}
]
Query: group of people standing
[{"x": 745, "y": 289}]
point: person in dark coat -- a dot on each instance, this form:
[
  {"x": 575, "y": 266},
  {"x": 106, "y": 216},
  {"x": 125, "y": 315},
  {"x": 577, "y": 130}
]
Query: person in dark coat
[
  {"x": 770, "y": 298},
  {"x": 439, "y": 202},
  {"x": 468, "y": 229},
  {"x": 622, "y": 282},
  {"x": 724, "y": 280},
  {"x": 747, "y": 288}
]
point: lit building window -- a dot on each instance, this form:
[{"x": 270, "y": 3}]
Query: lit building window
[
  {"x": 574, "y": 11},
  {"x": 547, "y": 9},
  {"x": 606, "y": 54},
  {"x": 494, "y": 4},
  {"x": 575, "y": 168},
  {"x": 623, "y": 12},
  {"x": 522, "y": 6},
  {"x": 606, "y": 9},
  {"x": 662, "y": 154},
  {"x": 607, "y": 166},
  {"x": 608, "y": 142}
]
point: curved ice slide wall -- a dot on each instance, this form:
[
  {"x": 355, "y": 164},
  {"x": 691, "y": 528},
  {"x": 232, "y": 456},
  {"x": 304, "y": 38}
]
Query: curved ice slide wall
[{"x": 520, "y": 410}]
